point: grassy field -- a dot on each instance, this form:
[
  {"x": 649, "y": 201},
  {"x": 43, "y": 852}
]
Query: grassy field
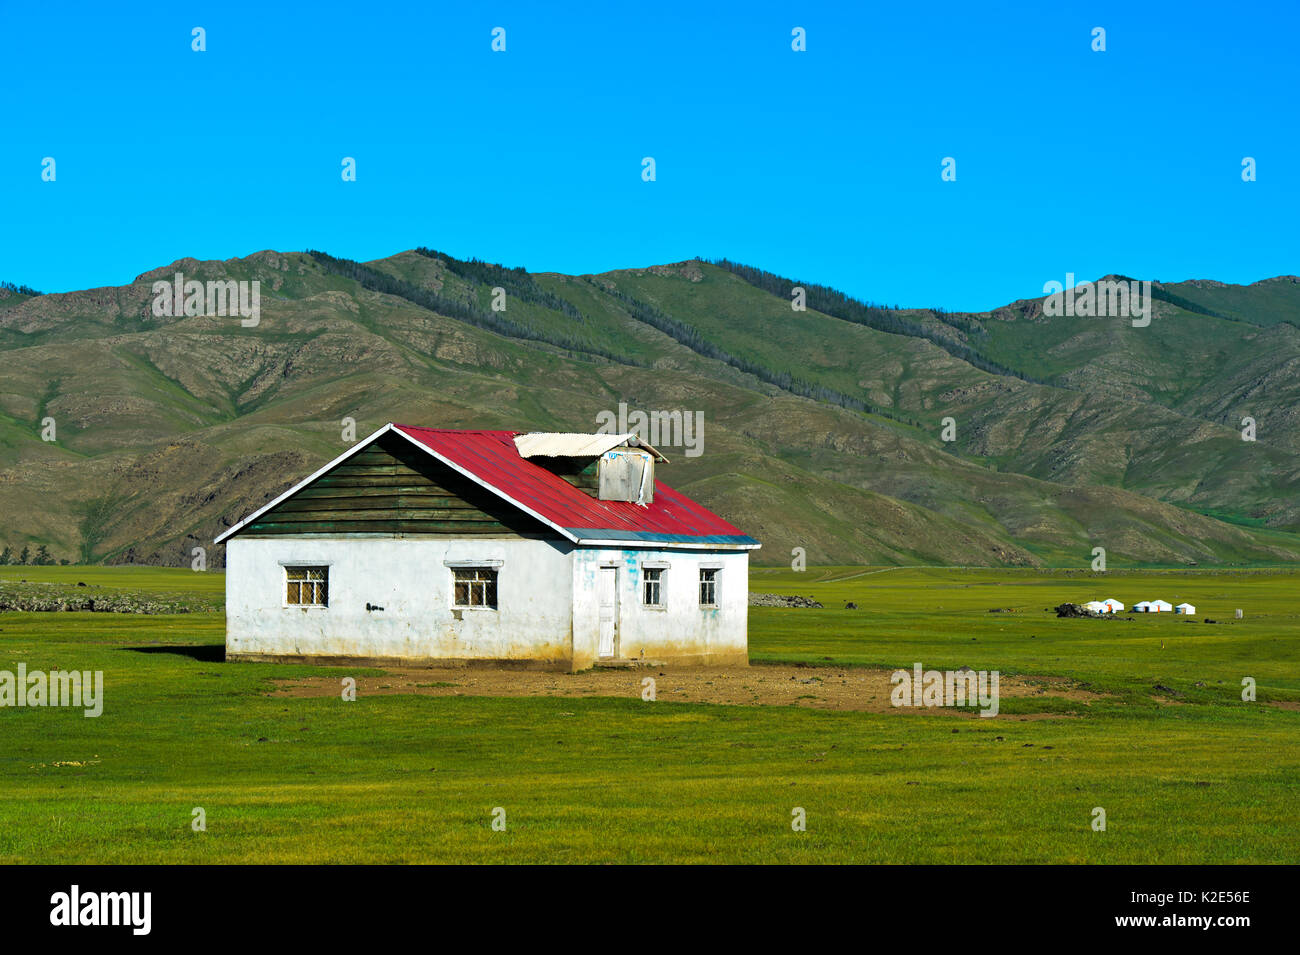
[
  {"x": 941, "y": 617},
  {"x": 1185, "y": 770},
  {"x": 196, "y": 591}
]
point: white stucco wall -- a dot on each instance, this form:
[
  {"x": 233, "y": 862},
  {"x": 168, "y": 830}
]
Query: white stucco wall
[
  {"x": 409, "y": 579},
  {"x": 682, "y": 632},
  {"x": 548, "y": 610}
]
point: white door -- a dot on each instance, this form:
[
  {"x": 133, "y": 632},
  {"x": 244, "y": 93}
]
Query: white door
[{"x": 608, "y": 610}]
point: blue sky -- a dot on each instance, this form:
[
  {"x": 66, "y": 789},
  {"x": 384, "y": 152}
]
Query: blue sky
[{"x": 822, "y": 165}]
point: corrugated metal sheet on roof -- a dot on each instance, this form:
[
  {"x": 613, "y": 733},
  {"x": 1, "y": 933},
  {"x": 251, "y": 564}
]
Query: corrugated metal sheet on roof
[
  {"x": 567, "y": 444},
  {"x": 492, "y": 458}
]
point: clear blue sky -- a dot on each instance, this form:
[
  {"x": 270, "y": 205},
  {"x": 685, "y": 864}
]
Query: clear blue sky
[{"x": 822, "y": 165}]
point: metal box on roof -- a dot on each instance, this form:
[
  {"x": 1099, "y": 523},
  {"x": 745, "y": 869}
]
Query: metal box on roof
[{"x": 627, "y": 474}]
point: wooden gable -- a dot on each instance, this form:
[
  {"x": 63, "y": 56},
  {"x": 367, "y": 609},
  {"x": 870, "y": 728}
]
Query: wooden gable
[{"x": 392, "y": 487}]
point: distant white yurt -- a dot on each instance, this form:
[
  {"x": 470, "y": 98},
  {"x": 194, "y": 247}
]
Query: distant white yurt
[
  {"x": 1112, "y": 605},
  {"x": 1184, "y": 608},
  {"x": 1143, "y": 606},
  {"x": 1161, "y": 606},
  {"x": 1096, "y": 606}
]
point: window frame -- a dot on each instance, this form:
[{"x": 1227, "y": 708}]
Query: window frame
[
  {"x": 304, "y": 566},
  {"x": 660, "y": 584},
  {"x": 476, "y": 567},
  {"x": 712, "y": 581}
]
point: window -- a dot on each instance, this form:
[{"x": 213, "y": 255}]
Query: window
[
  {"x": 307, "y": 586},
  {"x": 708, "y": 587},
  {"x": 476, "y": 587},
  {"x": 652, "y": 586}
]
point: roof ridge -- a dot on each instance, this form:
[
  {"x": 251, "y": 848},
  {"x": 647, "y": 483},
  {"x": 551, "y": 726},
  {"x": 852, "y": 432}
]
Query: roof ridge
[{"x": 420, "y": 427}]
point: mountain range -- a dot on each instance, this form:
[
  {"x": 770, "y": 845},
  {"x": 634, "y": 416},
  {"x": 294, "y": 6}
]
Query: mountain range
[{"x": 858, "y": 432}]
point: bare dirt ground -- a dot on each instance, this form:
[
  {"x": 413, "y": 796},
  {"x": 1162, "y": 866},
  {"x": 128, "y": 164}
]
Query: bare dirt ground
[{"x": 823, "y": 688}]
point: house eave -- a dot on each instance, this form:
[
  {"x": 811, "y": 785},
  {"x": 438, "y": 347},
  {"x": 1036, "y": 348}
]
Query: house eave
[{"x": 587, "y": 537}]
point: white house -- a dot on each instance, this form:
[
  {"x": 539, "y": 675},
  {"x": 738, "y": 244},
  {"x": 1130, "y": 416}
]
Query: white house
[
  {"x": 1142, "y": 606},
  {"x": 1112, "y": 605},
  {"x": 1161, "y": 606},
  {"x": 1184, "y": 608},
  {"x": 1096, "y": 606},
  {"x": 426, "y": 546}
]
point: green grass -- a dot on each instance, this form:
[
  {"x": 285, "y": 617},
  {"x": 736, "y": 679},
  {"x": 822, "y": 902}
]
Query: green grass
[
  {"x": 402, "y": 778},
  {"x": 940, "y": 617},
  {"x": 199, "y": 590}
]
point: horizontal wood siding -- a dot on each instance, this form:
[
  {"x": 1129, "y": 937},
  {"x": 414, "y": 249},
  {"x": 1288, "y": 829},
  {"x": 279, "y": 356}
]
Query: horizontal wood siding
[
  {"x": 580, "y": 472},
  {"x": 394, "y": 488}
]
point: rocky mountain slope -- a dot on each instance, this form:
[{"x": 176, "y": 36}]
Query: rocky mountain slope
[{"x": 822, "y": 429}]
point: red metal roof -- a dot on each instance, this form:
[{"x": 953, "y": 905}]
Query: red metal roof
[{"x": 491, "y": 458}]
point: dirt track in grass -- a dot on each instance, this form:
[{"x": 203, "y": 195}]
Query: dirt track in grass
[{"x": 824, "y": 688}]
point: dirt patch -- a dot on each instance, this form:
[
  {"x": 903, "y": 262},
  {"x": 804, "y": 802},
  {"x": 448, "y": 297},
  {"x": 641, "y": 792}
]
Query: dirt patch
[{"x": 822, "y": 688}]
